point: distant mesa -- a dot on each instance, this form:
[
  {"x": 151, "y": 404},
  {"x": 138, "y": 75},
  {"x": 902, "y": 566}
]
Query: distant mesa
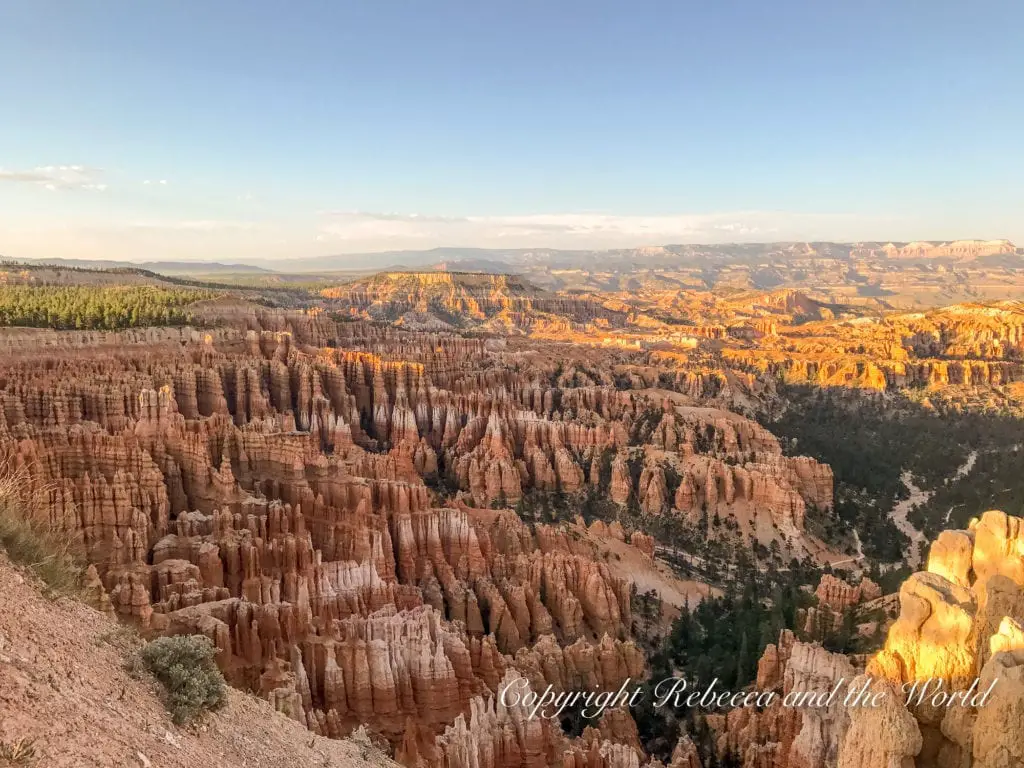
[
  {"x": 958, "y": 249},
  {"x": 444, "y": 300}
]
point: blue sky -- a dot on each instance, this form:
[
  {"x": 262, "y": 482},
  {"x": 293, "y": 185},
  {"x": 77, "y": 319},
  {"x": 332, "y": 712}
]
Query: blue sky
[{"x": 269, "y": 129}]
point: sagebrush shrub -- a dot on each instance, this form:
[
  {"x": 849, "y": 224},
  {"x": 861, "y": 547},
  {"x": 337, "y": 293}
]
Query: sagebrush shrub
[
  {"x": 28, "y": 541},
  {"x": 185, "y": 665},
  {"x": 20, "y": 752}
]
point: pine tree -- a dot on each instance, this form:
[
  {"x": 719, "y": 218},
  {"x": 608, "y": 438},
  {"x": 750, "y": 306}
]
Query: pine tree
[{"x": 742, "y": 662}]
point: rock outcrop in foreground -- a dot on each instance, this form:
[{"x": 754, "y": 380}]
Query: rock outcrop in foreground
[{"x": 960, "y": 620}]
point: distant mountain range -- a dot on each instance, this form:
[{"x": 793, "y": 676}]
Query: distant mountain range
[
  {"x": 162, "y": 267},
  {"x": 500, "y": 260}
]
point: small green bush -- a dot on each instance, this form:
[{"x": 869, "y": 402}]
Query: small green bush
[{"x": 185, "y": 666}]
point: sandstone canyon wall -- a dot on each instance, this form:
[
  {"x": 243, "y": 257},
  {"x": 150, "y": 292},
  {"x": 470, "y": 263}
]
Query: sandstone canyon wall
[{"x": 266, "y": 488}]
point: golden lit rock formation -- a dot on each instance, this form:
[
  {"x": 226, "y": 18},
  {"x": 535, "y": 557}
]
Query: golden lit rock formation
[{"x": 959, "y": 621}]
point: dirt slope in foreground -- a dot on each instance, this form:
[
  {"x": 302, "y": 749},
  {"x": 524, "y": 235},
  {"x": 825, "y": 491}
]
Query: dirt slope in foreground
[{"x": 62, "y": 683}]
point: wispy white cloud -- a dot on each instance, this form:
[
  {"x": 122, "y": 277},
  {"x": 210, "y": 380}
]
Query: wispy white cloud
[
  {"x": 196, "y": 233},
  {"x": 144, "y": 239},
  {"x": 56, "y": 177},
  {"x": 159, "y": 182},
  {"x": 583, "y": 230},
  {"x": 195, "y": 225}
]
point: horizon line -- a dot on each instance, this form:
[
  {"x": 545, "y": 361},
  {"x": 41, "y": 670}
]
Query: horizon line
[{"x": 880, "y": 242}]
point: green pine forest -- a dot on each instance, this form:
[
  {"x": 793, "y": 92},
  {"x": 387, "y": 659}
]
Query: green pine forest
[
  {"x": 870, "y": 439},
  {"x": 96, "y": 308}
]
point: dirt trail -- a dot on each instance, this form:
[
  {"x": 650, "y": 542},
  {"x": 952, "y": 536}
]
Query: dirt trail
[
  {"x": 899, "y": 517},
  {"x": 921, "y": 496},
  {"x": 62, "y": 684}
]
